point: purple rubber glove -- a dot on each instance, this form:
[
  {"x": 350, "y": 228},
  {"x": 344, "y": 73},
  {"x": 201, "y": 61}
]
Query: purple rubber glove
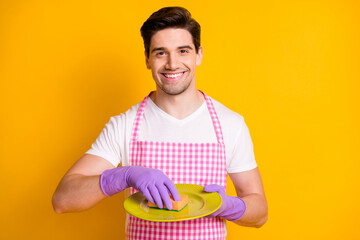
[
  {"x": 152, "y": 183},
  {"x": 232, "y": 208}
]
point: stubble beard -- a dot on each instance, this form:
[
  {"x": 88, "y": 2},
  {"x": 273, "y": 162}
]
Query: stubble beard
[{"x": 174, "y": 90}]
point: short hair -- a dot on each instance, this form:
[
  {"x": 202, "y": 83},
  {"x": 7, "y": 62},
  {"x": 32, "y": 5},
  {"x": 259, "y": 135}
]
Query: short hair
[{"x": 170, "y": 17}]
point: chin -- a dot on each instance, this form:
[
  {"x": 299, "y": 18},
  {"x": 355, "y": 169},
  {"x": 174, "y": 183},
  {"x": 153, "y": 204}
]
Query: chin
[{"x": 174, "y": 91}]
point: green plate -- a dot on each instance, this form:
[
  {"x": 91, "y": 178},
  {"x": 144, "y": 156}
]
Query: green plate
[{"x": 200, "y": 204}]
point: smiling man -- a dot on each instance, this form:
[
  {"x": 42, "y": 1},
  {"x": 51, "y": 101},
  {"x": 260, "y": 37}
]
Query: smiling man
[
  {"x": 177, "y": 134},
  {"x": 172, "y": 60}
]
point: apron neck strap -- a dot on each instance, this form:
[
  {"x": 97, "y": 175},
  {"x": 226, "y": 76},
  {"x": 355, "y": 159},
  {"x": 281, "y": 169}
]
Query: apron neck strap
[{"x": 210, "y": 106}]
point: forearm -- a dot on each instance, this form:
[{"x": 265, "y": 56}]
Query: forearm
[
  {"x": 77, "y": 193},
  {"x": 256, "y": 211}
]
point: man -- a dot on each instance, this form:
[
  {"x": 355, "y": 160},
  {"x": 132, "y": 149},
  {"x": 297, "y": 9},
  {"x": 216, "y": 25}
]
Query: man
[{"x": 176, "y": 135}]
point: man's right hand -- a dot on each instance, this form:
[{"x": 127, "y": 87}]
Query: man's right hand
[{"x": 152, "y": 183}]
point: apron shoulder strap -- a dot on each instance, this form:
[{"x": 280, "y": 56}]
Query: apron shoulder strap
[
  {"x": 137, "y": 122},
  {"x": 214, "y": 118}
]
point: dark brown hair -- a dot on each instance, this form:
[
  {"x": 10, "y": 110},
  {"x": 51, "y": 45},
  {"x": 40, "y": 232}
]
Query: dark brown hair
[{"x": 170, "y": 17}]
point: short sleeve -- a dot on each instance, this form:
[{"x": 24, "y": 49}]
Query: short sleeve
[
  {"x": 242, "y": 155},
  {"x": 107, "y": 144}
]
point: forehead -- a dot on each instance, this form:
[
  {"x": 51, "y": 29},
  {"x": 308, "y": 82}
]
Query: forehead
[{"x": 171, "y": 38}]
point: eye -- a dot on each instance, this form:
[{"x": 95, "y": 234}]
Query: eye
[
  {"x": 183, "y": 51},
  {"x": 160, "y": 53}
]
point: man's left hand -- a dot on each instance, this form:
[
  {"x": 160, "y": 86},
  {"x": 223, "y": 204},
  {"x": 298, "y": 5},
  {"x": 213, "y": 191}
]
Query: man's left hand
[{"x": 232, "y": 208}]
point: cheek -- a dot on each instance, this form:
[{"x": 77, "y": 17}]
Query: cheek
[
  {"x": 190, "y": 62},
  {"x": 155, "y": 70},
  {"x": 156, "y": 65}
]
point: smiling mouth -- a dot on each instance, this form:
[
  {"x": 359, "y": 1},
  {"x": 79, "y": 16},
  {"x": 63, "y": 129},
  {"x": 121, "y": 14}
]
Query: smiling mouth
[{"x": 173, "y": 76}]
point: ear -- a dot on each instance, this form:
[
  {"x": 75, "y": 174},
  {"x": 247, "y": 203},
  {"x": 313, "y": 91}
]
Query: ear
[
  {"x": 147, "y": 62},
  {"x": 199, "y": 56}
]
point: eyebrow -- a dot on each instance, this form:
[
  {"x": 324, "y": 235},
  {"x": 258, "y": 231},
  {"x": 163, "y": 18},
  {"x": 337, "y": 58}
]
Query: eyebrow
[{"x": 162, "y": 48}]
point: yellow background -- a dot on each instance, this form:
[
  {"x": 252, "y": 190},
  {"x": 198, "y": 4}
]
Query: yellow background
[{"x": 291, "y": 68}]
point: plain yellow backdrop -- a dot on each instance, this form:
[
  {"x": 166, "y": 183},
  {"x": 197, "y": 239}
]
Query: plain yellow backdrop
[{"x": 291, "y": 68}]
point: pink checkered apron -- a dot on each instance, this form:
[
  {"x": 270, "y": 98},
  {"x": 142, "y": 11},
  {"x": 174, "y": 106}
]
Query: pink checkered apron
[{"x": 191, "y": 163}]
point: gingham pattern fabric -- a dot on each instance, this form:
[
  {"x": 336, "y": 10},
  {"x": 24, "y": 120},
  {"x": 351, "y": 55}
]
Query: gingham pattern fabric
[{"x": 192, "y": 163}]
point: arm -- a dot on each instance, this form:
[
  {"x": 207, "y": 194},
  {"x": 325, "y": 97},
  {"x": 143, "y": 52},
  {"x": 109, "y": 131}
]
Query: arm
[
  {"x": 249, "y": 187},
  {"x": 80, "y": 188},
  {"x": 93, "y": 178}
]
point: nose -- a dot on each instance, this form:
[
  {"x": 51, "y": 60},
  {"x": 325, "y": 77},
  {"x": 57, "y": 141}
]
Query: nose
[{"x": 172, "y": 62}]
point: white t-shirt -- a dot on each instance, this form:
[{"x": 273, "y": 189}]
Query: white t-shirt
[{"x": 113, "y": 142}]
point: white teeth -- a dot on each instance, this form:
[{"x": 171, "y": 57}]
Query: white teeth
[{"x": 172, "y": 75}]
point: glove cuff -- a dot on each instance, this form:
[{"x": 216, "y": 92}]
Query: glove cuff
[
  {"x": 241, "y": 208},
  {"x": 113, "y": 180},
  {"x": 235, "y": 210}
]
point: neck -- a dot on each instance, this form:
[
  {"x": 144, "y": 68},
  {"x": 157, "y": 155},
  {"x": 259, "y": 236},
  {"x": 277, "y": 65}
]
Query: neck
[{"x": 179, "y": 106}]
